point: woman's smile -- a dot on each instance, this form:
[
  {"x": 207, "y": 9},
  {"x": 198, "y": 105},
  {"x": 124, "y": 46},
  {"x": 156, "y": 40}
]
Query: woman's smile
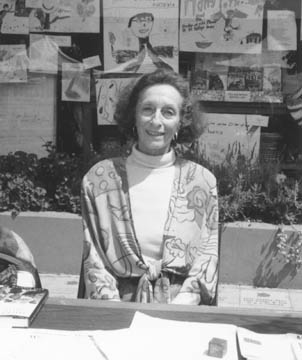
[{"x": 154, "y": 133}]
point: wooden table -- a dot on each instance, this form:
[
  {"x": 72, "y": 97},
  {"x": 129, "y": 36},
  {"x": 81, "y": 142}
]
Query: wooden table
[{"x": 76, "y": 314}]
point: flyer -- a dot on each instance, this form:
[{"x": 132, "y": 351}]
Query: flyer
[
  {"x": 13, "y": 63},
  {"x": 43, "y": 54},
  {"x": 25, "y": 126},
  {"x": 281, "y": 30}
]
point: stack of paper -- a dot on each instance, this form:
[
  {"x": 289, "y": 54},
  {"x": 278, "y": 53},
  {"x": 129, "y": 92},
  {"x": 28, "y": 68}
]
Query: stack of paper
[{"x": 151, "y": 338}]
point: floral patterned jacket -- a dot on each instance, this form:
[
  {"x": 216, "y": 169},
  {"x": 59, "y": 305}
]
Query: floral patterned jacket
[{"x": 112, "y": 255}]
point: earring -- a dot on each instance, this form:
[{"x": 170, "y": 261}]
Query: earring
[
  {"x": 175, "y": 136},
  {"x": 134, "y": 132}
]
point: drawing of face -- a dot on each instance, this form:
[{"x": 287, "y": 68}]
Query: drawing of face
[
  {"x": 157, "y": 118},
  {"x": 141, "y": 24}
]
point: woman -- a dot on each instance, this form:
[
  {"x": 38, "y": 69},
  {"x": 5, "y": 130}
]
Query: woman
[{"x": 150, "y": 220}]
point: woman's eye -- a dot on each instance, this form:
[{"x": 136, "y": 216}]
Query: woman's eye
[
  {"x": 147, "y": 111},
  {"x": 168, "y": 113}
]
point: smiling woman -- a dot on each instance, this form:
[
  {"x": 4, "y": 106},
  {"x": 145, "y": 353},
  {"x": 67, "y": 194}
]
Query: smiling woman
[
  {"x": 151, "y": 219},
  {"x": 157, "y": 118}
]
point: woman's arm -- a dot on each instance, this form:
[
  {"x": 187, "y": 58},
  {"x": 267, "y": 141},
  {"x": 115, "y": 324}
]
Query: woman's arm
[
  {"x": 99, "y": 283},
  {"x": 200, "y": 285}
]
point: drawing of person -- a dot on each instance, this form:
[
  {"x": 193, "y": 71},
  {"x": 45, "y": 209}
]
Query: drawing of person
[
  {"x": 5, "y": 10},
  {"x": 148, "y": 57}
]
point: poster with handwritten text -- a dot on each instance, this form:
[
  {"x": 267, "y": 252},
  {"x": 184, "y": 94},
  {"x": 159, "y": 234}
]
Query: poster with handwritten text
[
  {"x": 140, "y": 36},
  {"x": 230, "y": 135},
  {"x": 28, "y": 115},
  {"x": 224, "y": 26}
]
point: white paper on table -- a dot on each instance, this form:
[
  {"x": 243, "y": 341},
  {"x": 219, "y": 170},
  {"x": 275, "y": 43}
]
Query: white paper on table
[
  {"x": 116, "y": 344},
  {"x": 155, "y": 338},
  {"x": 296, "y": 344},
  {"x": 281, "y": 30},
  {"x": 264, "y": 346},
  {"x": 37, "y": 344}
]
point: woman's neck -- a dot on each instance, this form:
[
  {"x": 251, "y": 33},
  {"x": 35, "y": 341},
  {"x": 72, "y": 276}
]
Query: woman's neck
[{"x": 150, "y": 161}]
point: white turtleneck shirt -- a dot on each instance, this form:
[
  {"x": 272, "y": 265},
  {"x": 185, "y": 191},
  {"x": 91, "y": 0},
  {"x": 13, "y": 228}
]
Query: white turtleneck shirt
[{"x": 150, "y": 180}]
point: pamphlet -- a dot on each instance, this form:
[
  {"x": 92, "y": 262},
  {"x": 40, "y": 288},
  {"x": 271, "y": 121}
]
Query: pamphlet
[{"x": 20, "y": 305}]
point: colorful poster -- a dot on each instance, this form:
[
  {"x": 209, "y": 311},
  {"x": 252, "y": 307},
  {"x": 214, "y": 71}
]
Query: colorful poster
[
  {"x": 224, "y": 26},
  {"x": 81, "y": 16},
  {"x": 12, "y": 18},
  {"x": 140, "y": 36},
  {"x": 230, "y": 135},
  {"x": 75, "y": 82},
  {"x": 107, "y": 92},
  {"x": 13, "y": 63}
]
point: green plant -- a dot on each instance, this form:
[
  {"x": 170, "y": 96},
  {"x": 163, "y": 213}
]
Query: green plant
[
  {"x": 289, "y": 249},
  {"x": 251, "y": 190},
  {"x": 29, "y": 183},
  {"x": 248, "y": 190}
]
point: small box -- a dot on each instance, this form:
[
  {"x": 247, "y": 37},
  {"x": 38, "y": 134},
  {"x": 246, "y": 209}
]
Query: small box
[{"x": 217, "y": 347}]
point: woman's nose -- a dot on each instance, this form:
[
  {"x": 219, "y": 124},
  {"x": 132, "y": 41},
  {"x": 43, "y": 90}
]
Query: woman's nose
[{"x": 157, "y": 117}]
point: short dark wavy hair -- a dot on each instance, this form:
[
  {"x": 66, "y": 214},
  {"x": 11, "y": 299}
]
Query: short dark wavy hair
[{"x": 191, "y": 122}]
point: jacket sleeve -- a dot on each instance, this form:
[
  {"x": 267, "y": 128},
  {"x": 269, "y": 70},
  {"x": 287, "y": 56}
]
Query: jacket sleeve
[
  {"x": 99, "y": 282},
  {"x": 200, "y": 285}
]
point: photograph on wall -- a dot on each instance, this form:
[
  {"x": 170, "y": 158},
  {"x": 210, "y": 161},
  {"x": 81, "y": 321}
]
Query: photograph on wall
[
  {"x": 70, "y": 16},
  {"x": 107, "y": 92},
  {"x": 238, "y": 77},
  {"x": 224, "y": 26},
  {"x": 229, "y": 135},
  {"x": 140, "y": 37},
  {"x": 13, "y": 63},
  {"x": 75, "y": 82},
  {"x": 12, "y": 19}
]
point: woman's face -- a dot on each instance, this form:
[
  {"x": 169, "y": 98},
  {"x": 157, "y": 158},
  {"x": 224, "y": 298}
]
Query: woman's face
[{"x": 157, "y": 118}]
